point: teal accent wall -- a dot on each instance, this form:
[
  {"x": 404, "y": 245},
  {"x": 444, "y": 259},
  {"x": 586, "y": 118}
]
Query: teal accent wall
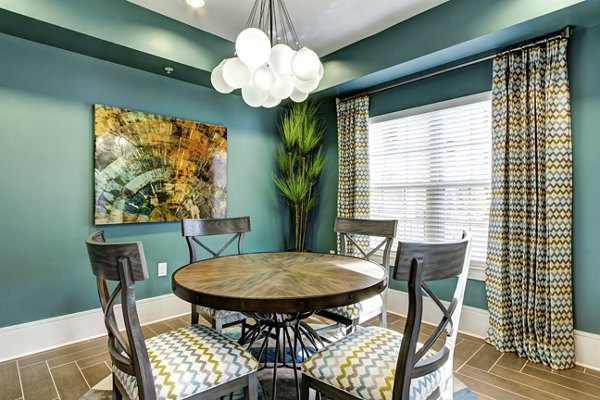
[
  {"x": 584, "y": 63},
  {"x": 46, "y": 180},
  {"x": 584, "y": 77}
]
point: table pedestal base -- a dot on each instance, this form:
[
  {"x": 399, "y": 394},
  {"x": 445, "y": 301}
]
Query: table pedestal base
[{"x": 290, "y": 336}]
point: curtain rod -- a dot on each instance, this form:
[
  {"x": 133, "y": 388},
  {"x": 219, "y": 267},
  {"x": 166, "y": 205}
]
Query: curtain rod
[{"x": 564, "y": 33}]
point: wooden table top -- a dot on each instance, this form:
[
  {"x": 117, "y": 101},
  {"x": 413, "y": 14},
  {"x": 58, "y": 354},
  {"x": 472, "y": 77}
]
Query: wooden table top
[{"x": 285, "y": 282}]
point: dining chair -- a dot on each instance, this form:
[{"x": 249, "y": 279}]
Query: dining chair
[
  {"x": 195, "y": 229},
  {"x": 378, "y": 363},
  {"x": 192, "y": 362},
  {"x": 349, "y": 317}
]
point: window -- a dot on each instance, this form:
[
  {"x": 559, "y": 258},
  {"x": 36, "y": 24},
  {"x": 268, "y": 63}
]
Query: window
[{"x": 430, "y": 168}]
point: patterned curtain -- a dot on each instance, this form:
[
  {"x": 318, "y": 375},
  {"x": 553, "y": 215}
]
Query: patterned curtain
[
  {"x": 528, "y": 274},
  {"x": 353, "y": 156}
]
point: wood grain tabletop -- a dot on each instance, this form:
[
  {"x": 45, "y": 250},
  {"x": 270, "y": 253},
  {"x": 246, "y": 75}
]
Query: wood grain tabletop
[{"x": 285, "y": 282}]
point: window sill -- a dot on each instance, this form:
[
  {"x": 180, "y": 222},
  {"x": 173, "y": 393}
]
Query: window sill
[{"x": 477, "y": 272}]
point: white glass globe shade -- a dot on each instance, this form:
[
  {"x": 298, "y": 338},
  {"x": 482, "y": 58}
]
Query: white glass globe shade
[
  {"x": 263, "y": 79},
  {"x": 305, "y": 64},
  {"x": 298, "y": 96},
  {"x": 271, "y": 102},
  {"x": 280, "y": 60},
  {"x": 306, "y": 86},
  {"x": 235, "y": 73},
  {"x": 216, "y": 78},
  {"x": 253, "y": 47},
  {"x": 284, "y": 84},
  {"x": 252, "y": 96}
]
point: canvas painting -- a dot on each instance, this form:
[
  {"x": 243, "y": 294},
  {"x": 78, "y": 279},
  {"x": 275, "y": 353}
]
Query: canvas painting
[{"x": 152, "y": 168}]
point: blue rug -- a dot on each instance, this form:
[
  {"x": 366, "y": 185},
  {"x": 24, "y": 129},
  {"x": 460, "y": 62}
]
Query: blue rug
[{"x": 465, "y": 394}]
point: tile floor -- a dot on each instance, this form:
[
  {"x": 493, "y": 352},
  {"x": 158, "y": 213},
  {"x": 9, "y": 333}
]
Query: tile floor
[{"x": 68, "y": 372}]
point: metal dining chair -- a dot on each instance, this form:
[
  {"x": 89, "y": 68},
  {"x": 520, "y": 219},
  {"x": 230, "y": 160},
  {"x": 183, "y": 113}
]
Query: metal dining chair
[
  {"x": 195, "y": 229},
  {"x": 193, "y": 362},
  {"x": 348, "y": 229},
  {"x": 377, "y": 363}
]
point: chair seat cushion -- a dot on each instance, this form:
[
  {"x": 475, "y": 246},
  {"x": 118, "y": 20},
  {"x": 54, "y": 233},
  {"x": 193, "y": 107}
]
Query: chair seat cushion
[
  {"x": 364, "y": 363},
  {"x": 226, "y": 317},
  {"x": 190, "y": 360},
  {"x": 355, "y": 310}
]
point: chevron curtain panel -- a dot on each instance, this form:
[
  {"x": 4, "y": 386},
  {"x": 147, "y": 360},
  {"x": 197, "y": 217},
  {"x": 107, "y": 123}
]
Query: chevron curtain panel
[
  {"x": 528, "y": 274},
  {"x": 353, "y": 159}
]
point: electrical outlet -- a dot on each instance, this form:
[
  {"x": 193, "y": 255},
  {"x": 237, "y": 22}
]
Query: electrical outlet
[
  {"x": 162, "y": 269},
  {"x": 331, "y": 251}
]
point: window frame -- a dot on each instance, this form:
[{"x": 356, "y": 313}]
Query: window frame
[{"x": 477, "y": 268}]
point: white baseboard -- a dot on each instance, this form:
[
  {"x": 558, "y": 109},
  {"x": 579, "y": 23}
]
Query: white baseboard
[
  {"x": 587, "y": 350},
  {"x": 474, "y": 321},
  {"x": 32, "y": 337}
]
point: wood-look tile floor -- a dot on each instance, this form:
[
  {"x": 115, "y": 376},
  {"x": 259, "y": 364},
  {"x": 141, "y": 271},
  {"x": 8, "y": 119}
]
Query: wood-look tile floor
[{"x": 68, "y": 372}]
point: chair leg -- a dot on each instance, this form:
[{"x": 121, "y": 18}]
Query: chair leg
[
  {"x": 195, "y": 314},
  {"x": 446, "y": 390},
  {"x": 304, "y": 388},
  {"x": 218, "y": 325},
  {"x": 352, "y": 328},
  {"x": 383, "y": 315},
  {"x": 383, "y": 319},
  {"x": 116, "y": 393},
  {"x": 251, "y": 391}
]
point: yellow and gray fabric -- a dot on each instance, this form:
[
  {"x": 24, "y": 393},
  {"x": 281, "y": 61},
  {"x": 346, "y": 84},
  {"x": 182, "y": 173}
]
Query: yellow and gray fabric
[
  {"x": 528, "y": 275},
  {"x": 363, "y": 364},
  {"x": 226, "y": 317},
  {"x": 353, "y": 160},
  {"x": 191, "y": 360},
  {"x": 354, "y": 311}
]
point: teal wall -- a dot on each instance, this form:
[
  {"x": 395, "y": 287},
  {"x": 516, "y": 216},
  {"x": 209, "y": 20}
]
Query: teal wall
[
  {"x": 46, "y": 179},
  {"x": 584, "y": 63},
  {"x": 584, "y": 76},
  {"x": 46, "y": 191}
]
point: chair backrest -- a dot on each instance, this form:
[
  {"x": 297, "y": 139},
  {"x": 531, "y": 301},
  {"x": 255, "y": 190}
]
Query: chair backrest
[
  {"x": 349, "y": 228},
  {"x": 192, "y": 229},
  {"x": 419, "y": 263},
  {"x": 124, "y": 263}
]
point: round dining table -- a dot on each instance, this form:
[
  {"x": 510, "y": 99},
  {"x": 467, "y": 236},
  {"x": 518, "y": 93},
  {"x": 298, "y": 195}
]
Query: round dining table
[
  {"x": 279, "y": 290},
  {"x": 280, "y": 282}
]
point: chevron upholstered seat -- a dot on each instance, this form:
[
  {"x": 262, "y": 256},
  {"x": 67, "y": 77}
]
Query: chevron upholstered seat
[
  {"x": 363, "y": 364},
  {"x": 376, "y": 363},
  {"x": 193, "y": 362},
  {"x": 226, "y": 317},
  {"x": 195, "y": 229},
  {"x": 352, "y": 232},
  {"x": 175, "y": 356},
  {"x": 354, "y": 311}
]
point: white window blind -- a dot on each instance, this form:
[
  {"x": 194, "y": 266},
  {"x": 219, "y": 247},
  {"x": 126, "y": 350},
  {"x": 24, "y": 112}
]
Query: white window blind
[{"x": 430, "y": 168}]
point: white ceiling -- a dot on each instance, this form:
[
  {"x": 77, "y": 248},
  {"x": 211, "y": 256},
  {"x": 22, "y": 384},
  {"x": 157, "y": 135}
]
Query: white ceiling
[{"x": 322, "y": 25}]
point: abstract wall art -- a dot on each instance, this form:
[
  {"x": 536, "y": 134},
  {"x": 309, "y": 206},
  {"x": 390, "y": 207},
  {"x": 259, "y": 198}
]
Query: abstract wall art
[{"x": 152, "y": 168}]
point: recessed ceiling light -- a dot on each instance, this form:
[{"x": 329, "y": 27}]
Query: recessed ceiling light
[{"x": 196, "y": 3}]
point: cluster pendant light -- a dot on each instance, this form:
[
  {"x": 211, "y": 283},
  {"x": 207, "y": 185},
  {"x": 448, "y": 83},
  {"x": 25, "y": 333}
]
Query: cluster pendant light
[{"x": 270, "y": 64}]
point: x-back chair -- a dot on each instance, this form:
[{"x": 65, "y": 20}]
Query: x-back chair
[
  {"x": 195, "y": 232},
  {"x": 348, "y": 228},
  {"x": 362, "y": 364},
  {"x": 191, "y": 362}
]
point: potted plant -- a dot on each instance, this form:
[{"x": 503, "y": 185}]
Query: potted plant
[{"x": 299, "y": 163}]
